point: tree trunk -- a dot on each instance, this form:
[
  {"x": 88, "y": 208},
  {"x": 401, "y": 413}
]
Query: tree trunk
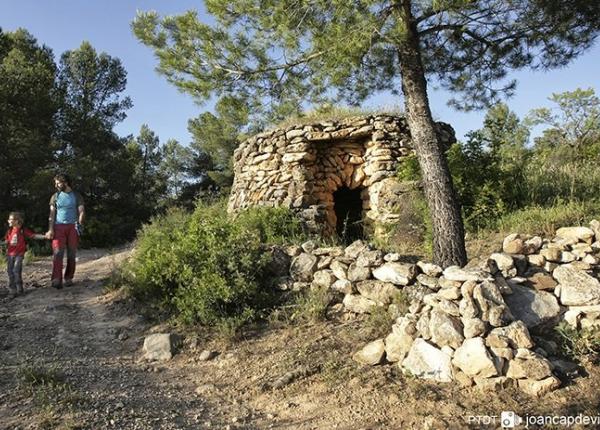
[{"x": 448, "y": 230}]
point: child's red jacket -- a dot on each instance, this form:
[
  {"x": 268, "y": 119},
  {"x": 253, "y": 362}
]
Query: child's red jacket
[{"x": 15, "y": 240}]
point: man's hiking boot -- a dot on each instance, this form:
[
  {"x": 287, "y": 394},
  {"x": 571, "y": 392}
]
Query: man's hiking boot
[
  {"x": 57, "y": 285},
  {"x": 20, "y": 290},
  {"x": 68, "y": 283}
]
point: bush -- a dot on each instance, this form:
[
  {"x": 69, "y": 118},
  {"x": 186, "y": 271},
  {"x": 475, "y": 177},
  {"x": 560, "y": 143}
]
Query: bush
[
  {"x": 275, "y": 226},
  {"x": 578, "y": 343},
  {"x": 545, "y": 220},
  {"x": 153, "y": 272},
  {"x": 207, "y": 267},
  {"x": 312, "y": 305}
]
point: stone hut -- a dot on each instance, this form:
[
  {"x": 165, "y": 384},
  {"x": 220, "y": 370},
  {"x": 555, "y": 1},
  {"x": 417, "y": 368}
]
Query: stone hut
[{"x": 340, "y": 176}]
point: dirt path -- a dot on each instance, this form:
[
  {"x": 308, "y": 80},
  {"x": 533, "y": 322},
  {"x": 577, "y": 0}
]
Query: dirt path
[
  {"x": 68, "y": 358},
  {"x": 71, "y": 359}
]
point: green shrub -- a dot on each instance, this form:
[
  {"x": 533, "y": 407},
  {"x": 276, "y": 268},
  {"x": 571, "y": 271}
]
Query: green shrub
[
  {"x": 409, "y": 169},
  {"x": 311, "y": 305},
  {"x": 379, "y": 322},
  {"x": 578, "y": 343},
  {"x": 276, "y": 226},
  {"x": 33, "y": 375},
  {"x": 207, "y": 267},
  {"x": 562, "y": 173},
  {"x": 155, "y": 267},
  {"x": 545, "y": 220}
]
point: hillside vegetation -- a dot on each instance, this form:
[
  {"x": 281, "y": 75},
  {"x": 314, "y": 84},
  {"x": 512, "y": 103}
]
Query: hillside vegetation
[{"x": 204, "y": 267}]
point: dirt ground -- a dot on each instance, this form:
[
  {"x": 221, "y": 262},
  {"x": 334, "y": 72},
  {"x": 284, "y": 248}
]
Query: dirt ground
[{"x": 71, "y": 359}]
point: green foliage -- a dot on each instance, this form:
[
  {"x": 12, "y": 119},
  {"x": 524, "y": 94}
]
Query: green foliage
[
  {"x": 274, "y": 54},
  {"x": 578, "y": 343},
  {"x": 505, "y": 185},
  {"x": 112, "y": 180},
  {"x": 155, "y": 267},
  {"x": 175, "y": 169},
  {"x": 487, "y": 170},
  {"x": 207, "y": 267},
  {"x": 62, "y": 118},
  {"x": 217, "y": 135},
  {"x": 565, "y": 157},
  {"x": 222, "y": 270},
  {"x": 277, "y": 225},
  {"x": 311, "y": 305},
  {"x": 502, "y": 182},
  {"x": 409, "y": 169},
  {"x": 90, "y": 84},
  {"x": 379, "y": 322},
  {"x": 546, "y": 219},
  {"x": 574, "y": 121},
  {"x": 562, "y": 173},
  {"x": 28, "y": 103}
]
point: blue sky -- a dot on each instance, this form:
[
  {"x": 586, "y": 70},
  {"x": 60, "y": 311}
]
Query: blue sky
[{"x": 64, "y": 24}]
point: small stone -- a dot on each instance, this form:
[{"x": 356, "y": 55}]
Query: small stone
[
  {"x": 372, "y": 354},
  {"x": 158, "y": 346},
  {"x": 430, "y": 269},
  {"x": 539, "y": 388},
  {"x": 494, "y": 384},
  {"x": 513, "y": 244},
  {"x": 207, "y": 355}
]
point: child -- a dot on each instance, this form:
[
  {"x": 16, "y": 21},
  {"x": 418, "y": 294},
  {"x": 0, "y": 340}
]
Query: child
[{"x": 15, "y": 251}]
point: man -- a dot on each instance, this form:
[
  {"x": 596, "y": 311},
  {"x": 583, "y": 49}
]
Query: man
[{"x": 66, "y": 218}]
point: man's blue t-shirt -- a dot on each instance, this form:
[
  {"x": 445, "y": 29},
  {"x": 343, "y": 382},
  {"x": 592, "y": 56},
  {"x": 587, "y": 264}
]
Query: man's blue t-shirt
[{"x": 66, "y": 207}]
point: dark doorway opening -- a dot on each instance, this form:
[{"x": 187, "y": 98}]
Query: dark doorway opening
[{"x": 347, "y": 205}]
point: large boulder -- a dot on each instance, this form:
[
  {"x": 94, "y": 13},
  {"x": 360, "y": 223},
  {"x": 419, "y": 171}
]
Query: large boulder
[
  {"x": 445, "y": 329},
  {"x": 516, "y": 335},
  {"x": 358, "y": 304},
  {"x": 400, "y": 340},
  {"x": 428, "y": 362},
  {"x": 491, "y": 304},
  {"x": 303, "y": 267},
  {"x": 534, "y": 308},
  {"x": 576, "y": 234},
  {"x": 380, "y": 292},
  {"x": 474, "y": 359},
  {"x": 577, "y": 288},
  {"x": 396, "y": 273}
]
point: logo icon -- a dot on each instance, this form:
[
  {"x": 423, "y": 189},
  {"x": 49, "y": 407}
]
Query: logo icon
[{"x": 508, "y": 419}]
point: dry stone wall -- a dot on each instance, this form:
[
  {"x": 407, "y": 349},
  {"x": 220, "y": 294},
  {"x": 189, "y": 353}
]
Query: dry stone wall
[
  {"x": 483, "y": 325},
  {"x": 301, "y": 167}
]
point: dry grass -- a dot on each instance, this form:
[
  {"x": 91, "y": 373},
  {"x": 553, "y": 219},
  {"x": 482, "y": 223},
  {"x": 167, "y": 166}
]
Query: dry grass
[{"x": 336, "y": 113}]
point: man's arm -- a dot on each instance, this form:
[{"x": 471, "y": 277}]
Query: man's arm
[
  {"x": 81, "y": 210},
  {"x": 51, "y": 219}
]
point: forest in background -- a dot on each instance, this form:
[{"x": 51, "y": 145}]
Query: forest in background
[{"x": 60, "y": 116}]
